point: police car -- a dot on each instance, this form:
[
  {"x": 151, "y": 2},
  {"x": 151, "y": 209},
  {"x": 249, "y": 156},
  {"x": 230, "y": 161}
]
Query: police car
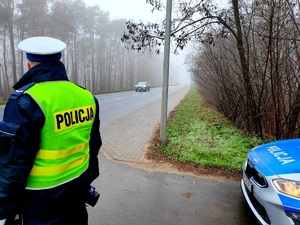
[{"x": 271, "y": 182}]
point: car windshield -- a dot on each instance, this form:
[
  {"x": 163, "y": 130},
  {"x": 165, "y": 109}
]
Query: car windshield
[{"x": 142, "y": 83}]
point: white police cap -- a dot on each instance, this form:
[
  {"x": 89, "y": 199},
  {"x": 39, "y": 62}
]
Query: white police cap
[{"x": 42, "y": 45}]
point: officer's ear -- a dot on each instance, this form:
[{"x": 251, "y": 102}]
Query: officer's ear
[{"x": 31, "y": 64}]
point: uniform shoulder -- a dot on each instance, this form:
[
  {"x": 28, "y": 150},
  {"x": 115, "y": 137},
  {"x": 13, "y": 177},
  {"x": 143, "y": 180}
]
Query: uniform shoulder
[
  {"x": 17, "y": 93},
  {"x": 80, "y": 86}
]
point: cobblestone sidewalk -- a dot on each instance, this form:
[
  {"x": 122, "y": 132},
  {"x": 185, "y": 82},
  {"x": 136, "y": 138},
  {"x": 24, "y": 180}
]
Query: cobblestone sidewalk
[{"x": 125, "y": 138}]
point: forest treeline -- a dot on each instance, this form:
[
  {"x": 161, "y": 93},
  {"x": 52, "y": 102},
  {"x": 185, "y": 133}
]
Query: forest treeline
[
  {"x": 95, "y": 56},
  {"x": 252, "y": 73}
]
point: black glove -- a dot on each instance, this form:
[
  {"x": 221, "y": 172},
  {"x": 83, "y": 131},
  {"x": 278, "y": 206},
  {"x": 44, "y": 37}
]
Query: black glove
[{"x": 92, "y": 196}]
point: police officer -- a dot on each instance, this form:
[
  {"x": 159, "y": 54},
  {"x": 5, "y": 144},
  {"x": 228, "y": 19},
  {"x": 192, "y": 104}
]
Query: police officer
[{"x": 49, "y": 141}]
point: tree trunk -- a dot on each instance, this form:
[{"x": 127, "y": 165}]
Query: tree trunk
[
  {"x": 253, "y": 111},
  {"x": 11, "y": 38}
]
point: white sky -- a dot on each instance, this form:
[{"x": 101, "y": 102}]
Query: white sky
[
  {"x": 127, "y": 9},
  {"x": 133, "y": 9}
]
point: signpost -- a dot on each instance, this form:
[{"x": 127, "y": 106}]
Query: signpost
[{"x": 165, "y": 82}]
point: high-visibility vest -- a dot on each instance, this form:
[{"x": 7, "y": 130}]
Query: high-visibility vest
[{"x": 64, "y": 146}]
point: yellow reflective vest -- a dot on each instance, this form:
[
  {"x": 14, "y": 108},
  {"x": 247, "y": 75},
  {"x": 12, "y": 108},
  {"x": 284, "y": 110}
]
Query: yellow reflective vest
[{"x": 64, "y": 146}]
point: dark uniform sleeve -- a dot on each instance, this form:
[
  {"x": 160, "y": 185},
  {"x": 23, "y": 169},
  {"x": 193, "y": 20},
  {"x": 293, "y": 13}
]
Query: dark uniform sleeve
[
  {"x": 19, "y": 143},
  {"x": 95, "y": 144}
]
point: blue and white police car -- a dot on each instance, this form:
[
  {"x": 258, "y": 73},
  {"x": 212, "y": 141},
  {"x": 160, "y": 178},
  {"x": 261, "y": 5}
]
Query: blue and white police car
[{"x": 271, "y": 182}]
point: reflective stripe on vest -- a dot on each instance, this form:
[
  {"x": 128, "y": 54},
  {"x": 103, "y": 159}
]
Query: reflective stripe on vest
[{"x": 64, "y": 147}]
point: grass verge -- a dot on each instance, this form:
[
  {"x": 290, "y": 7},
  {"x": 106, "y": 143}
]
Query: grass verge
[{"x": 198, "y": 136}]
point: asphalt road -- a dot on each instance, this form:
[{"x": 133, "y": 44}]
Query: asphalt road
[
  {"x": 116, "y": 105},
  {"x": 132, "y": 196},
  {"x": 1, "y": 111}
]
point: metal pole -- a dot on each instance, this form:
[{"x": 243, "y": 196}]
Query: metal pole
[{"x": 165, "y": 82}]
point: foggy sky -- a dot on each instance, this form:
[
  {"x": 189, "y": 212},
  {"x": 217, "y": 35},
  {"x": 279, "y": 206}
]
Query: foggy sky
[
  {"x": 127, "y": 9},
  {"x": 139, "y": 10}
]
